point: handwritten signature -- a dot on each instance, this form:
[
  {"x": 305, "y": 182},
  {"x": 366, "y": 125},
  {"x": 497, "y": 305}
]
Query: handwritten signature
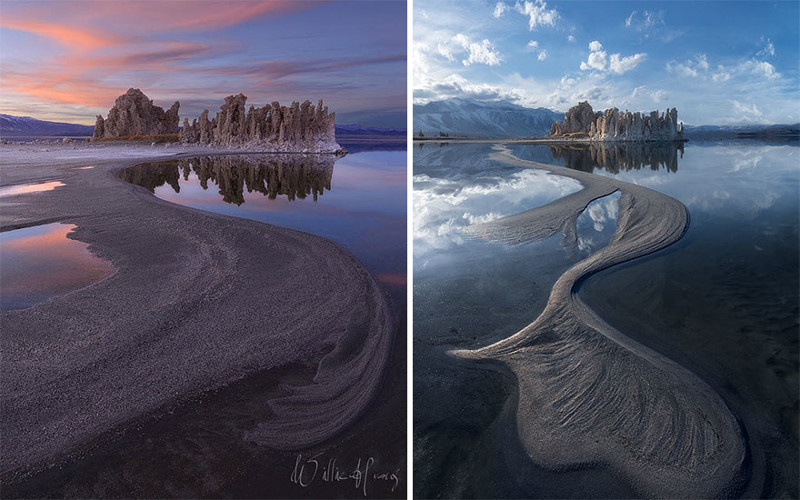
[{"x": 308, "y": 469}]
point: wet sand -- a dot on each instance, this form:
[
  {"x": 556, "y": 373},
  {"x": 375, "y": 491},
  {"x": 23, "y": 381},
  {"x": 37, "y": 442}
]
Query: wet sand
[
  {"x": 198, "y": 301},
  {"x": 589, "y": 397}
]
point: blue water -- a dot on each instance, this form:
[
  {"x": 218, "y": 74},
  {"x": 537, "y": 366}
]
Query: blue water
[{"x": 723, "y": 301}]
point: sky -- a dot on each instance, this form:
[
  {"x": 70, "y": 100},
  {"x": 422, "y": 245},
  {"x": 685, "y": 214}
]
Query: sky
[
  {"x": 67, "y": 60},
  {"x": 717, "y": 62}
]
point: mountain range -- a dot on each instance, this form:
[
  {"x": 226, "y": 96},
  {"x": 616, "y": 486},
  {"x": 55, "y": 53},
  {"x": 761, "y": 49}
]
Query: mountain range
[
  {"x": 502, "y": 119},
  {"x": 485, "y": 119},
  {"x": 772, "y": 133},
  {"x": 22, "y": 126},
  {"x": 454, "y": 117}
]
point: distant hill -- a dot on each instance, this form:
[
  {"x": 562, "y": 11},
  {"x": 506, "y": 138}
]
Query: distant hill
[
  {"x": 352, "y": 129},
  {"x": 772, "y": 133},
  {"x": 22, "y": 126},
  {"x": 473, "y": 118}
]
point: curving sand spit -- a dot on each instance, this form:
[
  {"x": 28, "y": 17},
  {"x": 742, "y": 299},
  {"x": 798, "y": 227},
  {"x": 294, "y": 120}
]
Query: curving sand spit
[
  {"x": 589, "y": 395},
  {"x": 198, "y": 300}
]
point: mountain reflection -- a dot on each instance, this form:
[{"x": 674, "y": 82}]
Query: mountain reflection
[
  {"x": 292, "y": 176},
  {"x": 616, "y": 157}
]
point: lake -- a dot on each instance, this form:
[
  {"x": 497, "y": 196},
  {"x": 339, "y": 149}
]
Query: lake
[
  {"x": 722, "y": 302},
  {"x": 358, "y": 201}
]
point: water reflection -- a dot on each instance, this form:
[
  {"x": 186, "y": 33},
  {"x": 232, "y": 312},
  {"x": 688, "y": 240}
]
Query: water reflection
[
  {"x": 366, "y": 213},
  {"x": 291, "y": 176},
  {"x": 40, "y": 262},
  {"x": 596, "y": 226},
  {"x": 723, "y": 301},
  {"x": 620, "y": 157},
  {"x": 29, "y": 188}
]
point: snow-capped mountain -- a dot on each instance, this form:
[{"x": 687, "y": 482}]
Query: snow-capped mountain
[
  {"x": 472, "y": 118},
  {"x": 18, "y": 126}
]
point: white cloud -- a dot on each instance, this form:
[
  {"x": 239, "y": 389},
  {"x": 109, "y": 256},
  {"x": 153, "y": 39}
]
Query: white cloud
[
  {"x": 533, "y": 44},
  {"x": 571, "y": 39},
  {"x": 768, "y": 50},
  {"x": 760, "y": 68},
  {"x": 660, "y": 96},
  {"x": 750, "y": 111},
  {"x": 721, "y": 75},
  {"x": 538, "y": 13},
  {"x": 616, "y": 63},
  {"x": 698, "y": 67},
  {"x": 542, "y": 55},
  {"x": 482, "y": 52},
  {"x": 691, "y": 68},
  {"x": 429, "y": 88},
  {"x": 444, "y": 51},
  {"x": 648, "y": 23},
  {"x": 629, "y": 20},
  {"x": 642, "y": 94},
  {"x": 702, "y": 62},
  {"x": 621, "y": 65},
  {"x": 499, "y": 9},
  {"x": 597, "y": 60}
]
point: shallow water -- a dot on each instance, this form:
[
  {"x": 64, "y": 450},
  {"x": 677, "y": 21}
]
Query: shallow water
[
  {"x": 40, "y": 262},
  {"x": 360, "y": 202},
  {"x": 469, "y": 293},
  {"x": 198, "y": 448},
  {"x": 29, "y": 188},
  {"x": 723, "y": 302}
]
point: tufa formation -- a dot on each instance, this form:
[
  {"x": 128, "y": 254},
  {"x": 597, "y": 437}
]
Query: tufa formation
[
  {"x": 296, "y": 128},
  {"x": 582, "y": 123},
  {"x": 299, "y": 127},
  {"x": 134, "y": 114}
]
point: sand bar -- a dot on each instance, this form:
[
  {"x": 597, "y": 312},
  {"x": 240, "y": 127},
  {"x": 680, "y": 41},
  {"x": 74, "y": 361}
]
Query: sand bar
[
  {"x": 590, "y": 396},
  {"x": 198, "y": 300}
]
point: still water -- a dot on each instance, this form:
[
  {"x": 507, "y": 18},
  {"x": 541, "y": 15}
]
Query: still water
[
  {"x": 358, "y": 201},
  {"x": 40, "y": 262},
  {"x": 723, "y": 301}
]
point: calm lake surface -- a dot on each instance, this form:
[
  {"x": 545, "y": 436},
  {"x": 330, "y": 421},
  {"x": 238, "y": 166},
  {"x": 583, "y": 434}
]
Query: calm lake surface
[
  {"x": 40, "y": 262},
  {"x": 723, "y": 301},
  {"x": 358, "y": 202}
]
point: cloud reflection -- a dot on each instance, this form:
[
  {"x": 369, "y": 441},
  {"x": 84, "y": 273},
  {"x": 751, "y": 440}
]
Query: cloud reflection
[{"x": 443, "y": 206}]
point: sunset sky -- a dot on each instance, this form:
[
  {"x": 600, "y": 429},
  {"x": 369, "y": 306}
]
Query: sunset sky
[
  {"x": 718, "y": 62},
  {"x": 68, "y": 60}
]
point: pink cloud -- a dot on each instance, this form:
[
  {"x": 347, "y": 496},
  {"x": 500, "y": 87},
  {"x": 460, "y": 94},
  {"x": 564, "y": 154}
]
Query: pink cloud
[{"x": 105, "y": 39}]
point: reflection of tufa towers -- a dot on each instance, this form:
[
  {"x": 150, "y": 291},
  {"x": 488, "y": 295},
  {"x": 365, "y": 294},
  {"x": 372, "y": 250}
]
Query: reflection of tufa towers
[
  {"x": 271, "y": 175},
  {"x": 616, "y": 157}
]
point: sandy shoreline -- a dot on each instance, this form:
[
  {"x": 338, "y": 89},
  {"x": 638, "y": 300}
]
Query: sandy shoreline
[
  {"x": 199, "y": 300},
  {"x": 587, "y": 394}
]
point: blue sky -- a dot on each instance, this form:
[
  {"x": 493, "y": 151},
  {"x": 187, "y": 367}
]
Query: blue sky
[
  {"x": 67, "y": 60},
  {"x": 717, "y": 62}
]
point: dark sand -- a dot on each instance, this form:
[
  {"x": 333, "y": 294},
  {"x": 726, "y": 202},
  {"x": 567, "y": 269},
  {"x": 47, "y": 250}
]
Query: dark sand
[
  {"x": 199, "y": 303},
  {"x": 588, "y": 396}
]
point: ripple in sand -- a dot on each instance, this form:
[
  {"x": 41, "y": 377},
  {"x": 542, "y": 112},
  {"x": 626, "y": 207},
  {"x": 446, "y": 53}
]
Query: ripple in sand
[{"x": 588, "y": 394}]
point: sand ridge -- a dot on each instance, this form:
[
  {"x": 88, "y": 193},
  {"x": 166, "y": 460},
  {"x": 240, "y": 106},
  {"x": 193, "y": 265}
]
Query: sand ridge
[
  {"x": 198, "y": 300},
  {"x": 588, "y": 394}
]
